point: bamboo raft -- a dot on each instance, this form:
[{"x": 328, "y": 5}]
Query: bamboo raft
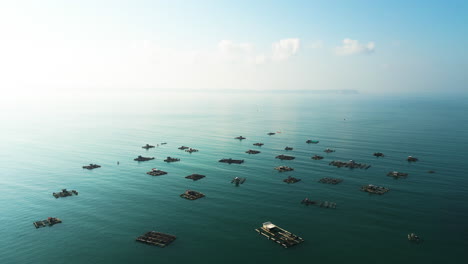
[
  {"x": 288, "y": 148},
  {"x": 238, "y": 181},
  {"x": 279, "y": 235},
  {"x": 323, "y": 204},
  {"x": 240, "y": 137},
  {"x": 192, "y": 195},
  {"x": 230, "y": 161},
  {"x": 169, "y": 159},
  {"x": 183, "y": 147},
  {"x": 350, "y": 164},
  {"x": 50, "y": 221},
  {"x": 156, "y": 172},
  {"x": 271, "y": 133},
  {"x": 65, "y": 193},
  {"x": 285, "y": 157},
  {"x": 195, "y": 177},
  {"x": 312, "y": 141},
  {"x": 283, "y": 168},
  {"x": 147, "y": 146},
  {"x": 140, "y": 158},
  {"x": 258, "y": 144},
  {"x": 317, "y": 157},
  {"x": 397, "y": 174},
  {"x": 156, "y": 239},
  {"x": 190, "y": 150},
  {"x": 330, "y": 180},
  {"x": 91, "y": 166},
  {"x": 412, "y": 159},
  {"x": 251, "y": 151},
  {"x": 379, "y": 154},
  {"x": 374, "y": 189},
  {"x": 329, "y": 150},
  {"x": 290, "y": 179}
]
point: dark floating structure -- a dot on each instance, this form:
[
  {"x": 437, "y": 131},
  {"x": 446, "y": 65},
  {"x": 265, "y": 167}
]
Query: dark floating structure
[
  {"x": 330, "y": 180},
  {"x": 164, "y": 143},
  {"x": 279, "y": 235},
  {"x": 140, "y": 158},
  {"x": 195, "y": 177},
  {"x": 370, "y": 188},
  {"x": 323, "y": 204},
  {"x": 238, "y": 181},
  {"x": 271, "y": 133},
  {"x": 50, "y": 221},
  {"x": 156, "y": 239},
  {"x": 317, "y": 157},
  {"x": 240, "y": 137},
  {"x": 307, "y": 202},
  {"x": 192, "y": 195},
  {"x": 258, "y": 144},
  {"x": 290, "y": 179},
  {"x": 190, "y": 150},
  {"x": 156, "y": 172},
  {"x": 148, "y": 146},
  {"x": 312, "y": 141},
  {"x": 229, "y": 161},
  {"x": 379, "y": 154},
  {"x": 430, "y": 171},
  {"x": 285, "y": 157},
  {"x": 414, "y": 238},
  {"x": 169, "y": 159},
  {"x": 91, "y": 166},
  {"x": 397, "y": 174},
  {"x": 65, "y": 193},
  {"x": 412, "y": 159},
  {"x": 350, "y": 164},
  {"x": 251, "y": 151},
  {"x": 288, "y": 148},
  {"x": 283, "y": 168},
  {"x": 183, "y": 147},
  {"x": 327, "y": 150}
]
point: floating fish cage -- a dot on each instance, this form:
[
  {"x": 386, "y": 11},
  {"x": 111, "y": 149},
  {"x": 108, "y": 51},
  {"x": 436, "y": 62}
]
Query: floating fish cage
[
  {"x": 65, "y": 193},
  {"x": 195, "y": 177},
  {"x": 279, "y": 235},
  {"x": 156, "y": 239}
]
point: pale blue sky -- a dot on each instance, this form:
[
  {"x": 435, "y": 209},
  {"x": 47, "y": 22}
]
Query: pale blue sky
[{"x": 391, "y": 46}]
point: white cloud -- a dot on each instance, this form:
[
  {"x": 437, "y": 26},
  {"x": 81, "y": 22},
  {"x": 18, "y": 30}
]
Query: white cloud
[
  {"x": 351, "y": 47},
  {"x": 285, "y": 48},
  {"x": 317, "y": 44}
]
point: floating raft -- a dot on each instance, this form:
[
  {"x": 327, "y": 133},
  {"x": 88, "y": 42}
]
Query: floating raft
[
  {"x": 290, "y": 179},
  {"x": 231, "y": 161},
  {"x": 156, "y": 172},
  {"x": 317, "y": 157},
  {"x": 147, "y": 146},
  {"x": 350, "y": 164},
  {"x": 329, "y": 150},
  {"x": 374, "y": 189},
  {"x": 192, "y": 195},
  {"x": 164, "y": 143},
  {"x": 283, "y": 168},
  {"x": 140, "y": 158},
  {"x": 323, "y": 204},
  {"x": 279, "y": 235},
  {"x": 190, "y": 150},
  {"x": 50, "y": 221},
  {"x": 195, "y": 177},
  {"x": 91, "y": 166},
  {"x": 251, "y": 151},
  {"x": 258, "y": 144},
  {"x": 156, "y": 239},
  {"x": 312, "y": 141},
  {"x": 414, "y": 238},
  {"x": 238, "y": 180},
  {"x": 330, "y": 180},
  {"x": 169, "y": 159},
  {"x": 412, "y": 159},
  {"x": 379, "y": 154},
  {"x": 65, "y": 193},
  {"x": 240, "y": 137},
  {"x": 397, "y": 174},
  {"x": 307, "y": 201},
  {"x": 288, "y": 148},
  {"x": 271, "y": 133},
  {"x": 285, "y": 157},
  {"x": 430, "y": 171},
  {"x": 183, "y": 147}
]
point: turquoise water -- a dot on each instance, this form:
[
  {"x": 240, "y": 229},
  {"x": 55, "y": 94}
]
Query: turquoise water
[{"x": 43, "y": 147}]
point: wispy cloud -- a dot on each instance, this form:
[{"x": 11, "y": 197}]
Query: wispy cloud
[
  {"x": 285, "y": 48},
  {"x": 351, "y": 47},
  {"x": 318, "y": 44}
]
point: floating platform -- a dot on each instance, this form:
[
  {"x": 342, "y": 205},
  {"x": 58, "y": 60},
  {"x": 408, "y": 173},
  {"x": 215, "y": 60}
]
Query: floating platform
[
  {"x": 251, "y": 151},
  {"x": 169, "y": 159},
  {"x": 190, "y": 150},
  {"x": 412, "y": 159},
  {"x": 195, "y": 177},
  {"x": 147, "y": 146},
  {"x": 156, "y": 239},
  {"x": 279, "y": 235},
  {"x": 290, "y": 179},
  {"x": 397, "y": 174},
  {"x": 238, "y": 181},
  {"x": 192, "y": 195},
  {"x": 230, "y": 161},
  {"x": 323, "y": 204},
  {"x": 91, "y": 166},
  {"x": 330, "y": 180},
  {"x": 312, "y": 141},
  {"x": 379, "y": 154},
  {"x": 317, "y": 157},
  {"x": 329, "y": 150},
  {"x": 288, "y": 148},
  {"x": 271, "y": 133},
  {"x": 258, "y": 144},
  {"x": 163, "y": 143},
  {"x": 414, "y": 238},
  {"x": 350, "y": 164},
  {"x": 50, "y": 221},
  {"x": 430, "y": 171},
  {"x": 240, "y": 137},
  {"x": 374, "y": 189},
  {"x": 140, "y": 158},
  {"x": 65, "y": 193},
  {"x": 283, "y": 168},
  {"x": 156, "y": 172},
  {"x": 183, "y": 147},
  {"x": 307, "y": 202},
  {"x": 285, "y": 157}
]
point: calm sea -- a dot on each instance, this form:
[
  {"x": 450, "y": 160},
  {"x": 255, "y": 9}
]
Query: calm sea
[{"x": 44, "y": 144}]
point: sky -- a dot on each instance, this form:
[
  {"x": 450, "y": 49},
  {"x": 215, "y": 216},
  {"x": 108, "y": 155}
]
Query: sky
[{"x": 83, "y": 47}]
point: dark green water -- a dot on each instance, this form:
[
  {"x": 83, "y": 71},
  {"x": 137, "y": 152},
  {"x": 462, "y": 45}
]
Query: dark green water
[{"x": 42, "y": 149}]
